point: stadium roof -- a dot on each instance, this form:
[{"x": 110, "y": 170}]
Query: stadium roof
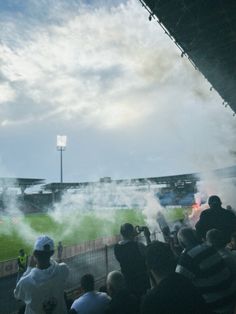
[
  {"x": 205, "y": 31},
  {"x": 125, "y": 182},
  {"x": 19, "y": 182},
  {"x": 228, "y": 172}
]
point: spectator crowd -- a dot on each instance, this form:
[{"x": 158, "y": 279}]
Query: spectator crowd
[{"x": 192, "y": 272}]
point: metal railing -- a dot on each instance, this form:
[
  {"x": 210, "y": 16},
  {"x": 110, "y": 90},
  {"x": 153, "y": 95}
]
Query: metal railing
[
  {"x": 96, "y": 258},
  {"x": 98, "y": 261}
]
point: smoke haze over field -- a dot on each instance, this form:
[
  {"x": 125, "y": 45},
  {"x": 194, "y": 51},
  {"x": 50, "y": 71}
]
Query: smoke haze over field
[
  {"x": 103, "y": 202},
  {"x": 89, "y": 214},
  {"x": 212, "y": 185}
]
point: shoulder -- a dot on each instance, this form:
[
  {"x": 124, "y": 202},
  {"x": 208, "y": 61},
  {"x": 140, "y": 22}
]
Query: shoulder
[
  {"x": 206, "y": 213},
  {"x": 103, "y": 296},
  {"x": 116, "y": 246},
  {"x": 78, "y": 302},
  {"x": 25, "y": 281},
  {"x": 204, "y": 216},
  {"x": 23, "y": 287},
  {"x": 201, "y": 251},
  {"x": 123, "y": 245},
  {"x": 229, "y": 213},
  {"x": 64, "y": 269}
]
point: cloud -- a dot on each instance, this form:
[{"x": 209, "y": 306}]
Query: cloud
[
  {"x": 79, "y": 70},
  {"x": 107, "y": 68},
  {"x": 7, "y": 94}
]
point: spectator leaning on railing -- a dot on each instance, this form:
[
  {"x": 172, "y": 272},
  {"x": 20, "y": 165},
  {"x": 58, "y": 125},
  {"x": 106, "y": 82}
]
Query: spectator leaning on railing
[{"x": 41, "y": 287}]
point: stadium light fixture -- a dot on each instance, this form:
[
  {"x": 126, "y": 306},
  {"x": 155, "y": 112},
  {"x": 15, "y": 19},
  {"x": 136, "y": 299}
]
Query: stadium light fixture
[{"x": 61, "y": 146}]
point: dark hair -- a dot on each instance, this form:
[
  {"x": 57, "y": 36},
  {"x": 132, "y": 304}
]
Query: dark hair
[
  {"x": 214, "y": 200},
  {"x": 160, "y": 258},
  {"x": 87, "y": 282},
  {"x": 127, "y": 230}
]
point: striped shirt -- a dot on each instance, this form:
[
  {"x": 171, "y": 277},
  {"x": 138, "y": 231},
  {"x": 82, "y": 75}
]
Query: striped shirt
[{"x": 208, "y": 272}]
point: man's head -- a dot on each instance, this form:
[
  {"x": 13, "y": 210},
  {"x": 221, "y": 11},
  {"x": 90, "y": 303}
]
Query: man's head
[
  {"x": 127, "y": 231},
  {"x": 87, "y": 282},
  {"x": 187, "y": 238},
  {"x": 115, "y": 282},
  {"x": 215, "y": 238},
  {"x": 160, "y": 260},
  {"x": 214, "y": 202},
  {"x": 43, "y": 249}
]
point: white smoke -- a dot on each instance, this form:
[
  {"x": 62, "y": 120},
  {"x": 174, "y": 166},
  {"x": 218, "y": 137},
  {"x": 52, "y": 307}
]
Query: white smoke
[
  {"x": 102, "y": 202},
  {"x": 213, "y": 185},
  {"x": 151, "y": 208},
  {"x": 13, "y": 219},
  {"x": 210, "y": 183},
  {"x": 97, "y": 206}
]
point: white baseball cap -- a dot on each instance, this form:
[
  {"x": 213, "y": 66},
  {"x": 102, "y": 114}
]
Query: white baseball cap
[{"x": 40, "y": 243}]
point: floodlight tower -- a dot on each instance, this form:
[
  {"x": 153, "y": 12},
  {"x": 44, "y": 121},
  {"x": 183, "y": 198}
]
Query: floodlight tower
[{"x": 61, "y": 146}]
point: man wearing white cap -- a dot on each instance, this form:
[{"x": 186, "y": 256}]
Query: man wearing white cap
[{"x": 42, "y": 285}]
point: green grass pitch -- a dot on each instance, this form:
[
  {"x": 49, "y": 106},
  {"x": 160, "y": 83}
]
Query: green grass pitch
[
  {"x": 84, "y": 227},
  {"x": 20, "y": 232}
]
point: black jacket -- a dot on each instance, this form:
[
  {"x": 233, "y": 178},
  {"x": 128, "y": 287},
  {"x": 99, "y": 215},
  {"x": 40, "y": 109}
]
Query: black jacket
[{"x": 220, "y": 219}]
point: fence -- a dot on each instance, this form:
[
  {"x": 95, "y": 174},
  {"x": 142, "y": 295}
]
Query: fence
[
  {"x": 96, "y": 257},
  {"x": 9, "y": 267}
]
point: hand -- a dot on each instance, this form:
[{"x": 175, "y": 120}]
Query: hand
[{"x": 32, "y": 261}]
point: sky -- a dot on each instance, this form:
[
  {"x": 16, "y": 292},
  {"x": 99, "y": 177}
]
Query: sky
[{"x": 111, "y": 80}]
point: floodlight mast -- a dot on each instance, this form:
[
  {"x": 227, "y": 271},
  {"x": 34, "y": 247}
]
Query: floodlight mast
[{"x": 61, "y": 146}]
